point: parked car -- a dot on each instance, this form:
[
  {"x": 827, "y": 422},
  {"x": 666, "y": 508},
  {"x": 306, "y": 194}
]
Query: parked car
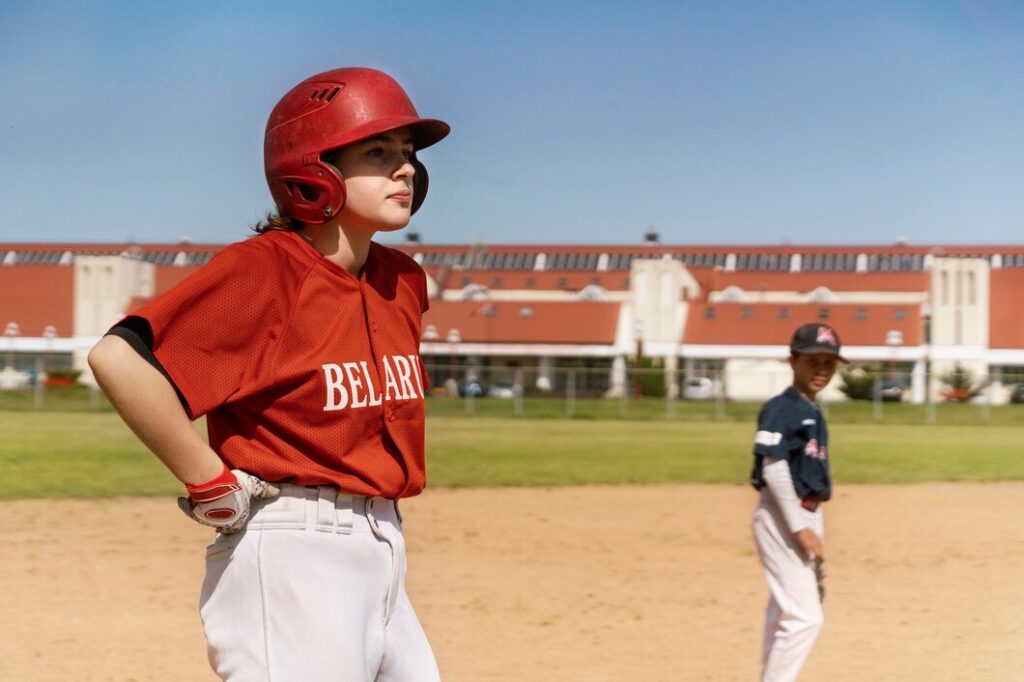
[
  {"x": 471, "y": 388},
  {"x": 892, "y": 391},
  {"x": 503, "y": 389},
  {"x": 699, "y": 388},
  {"x": 1017, "y": 394}
]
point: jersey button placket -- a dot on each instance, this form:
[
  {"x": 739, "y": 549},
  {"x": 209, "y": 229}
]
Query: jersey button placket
[{"x": 388, "y": 413}]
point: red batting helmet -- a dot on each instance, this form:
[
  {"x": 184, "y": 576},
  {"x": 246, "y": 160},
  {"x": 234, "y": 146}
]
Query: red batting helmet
[{"x": 328, "y": 111}]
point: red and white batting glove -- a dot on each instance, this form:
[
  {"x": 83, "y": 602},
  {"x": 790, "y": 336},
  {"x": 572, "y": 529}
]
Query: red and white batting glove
[{"x": 224, "y": 502}]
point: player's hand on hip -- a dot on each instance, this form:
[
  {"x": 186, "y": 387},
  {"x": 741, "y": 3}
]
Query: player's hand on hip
[
  {"x": 810, "y": 543},
  {"x": 225, "y": 502}
]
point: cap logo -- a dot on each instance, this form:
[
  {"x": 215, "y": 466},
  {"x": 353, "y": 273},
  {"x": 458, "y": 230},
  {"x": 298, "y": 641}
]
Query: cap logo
[{"x": 826, "y": 336}]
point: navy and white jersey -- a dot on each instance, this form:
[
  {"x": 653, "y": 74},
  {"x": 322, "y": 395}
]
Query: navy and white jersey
[{"x": 792, "y": 428}]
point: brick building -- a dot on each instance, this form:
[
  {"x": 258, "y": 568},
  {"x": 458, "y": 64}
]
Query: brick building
[{"x": 692, "y": 310}]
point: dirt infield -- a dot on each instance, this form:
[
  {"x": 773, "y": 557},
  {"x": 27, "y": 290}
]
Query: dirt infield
[{"x": 595, "y": 583}]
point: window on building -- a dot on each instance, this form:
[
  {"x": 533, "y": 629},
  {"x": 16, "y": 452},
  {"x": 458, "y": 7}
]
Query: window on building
[
  {"x": 746, "y": 313},
  {"x": 496, "y": 282},
  {"x": 970, "y": 288},
  {"x": 563, "y": 282},
  {"x": 783, "y": 313},
  {"x": 709, "y": 313},
  {"x": 824, "y": 313},
  {"x": 529, "y": 282},
  {"x": 899, "y": 314},
  {"x": 861, "y": 314}
]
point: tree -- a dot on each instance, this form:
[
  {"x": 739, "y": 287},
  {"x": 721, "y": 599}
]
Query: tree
[
  {"x": 960, "y": 384},
  {"x": 859, "y": 382},
  {"x": 648, "y": 378}
]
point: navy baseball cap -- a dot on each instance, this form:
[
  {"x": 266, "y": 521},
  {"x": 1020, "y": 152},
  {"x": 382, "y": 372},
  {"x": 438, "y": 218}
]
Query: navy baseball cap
[{"x": 816, "y": 338}]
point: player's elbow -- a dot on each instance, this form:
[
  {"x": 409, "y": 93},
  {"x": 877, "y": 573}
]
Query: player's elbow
[{"x": 107, "y": 356}]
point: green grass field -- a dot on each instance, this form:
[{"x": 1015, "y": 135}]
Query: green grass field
[{"x": 92, "y": 454}]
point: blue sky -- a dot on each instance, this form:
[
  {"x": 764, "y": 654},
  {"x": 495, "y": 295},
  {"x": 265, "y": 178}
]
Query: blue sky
[{"x": 572, "y": 122}]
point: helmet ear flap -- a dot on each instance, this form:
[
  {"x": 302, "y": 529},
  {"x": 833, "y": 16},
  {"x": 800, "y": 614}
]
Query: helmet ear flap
[
  {"x": 420, "y": 182},
  {"x": 314, "y": 200}
]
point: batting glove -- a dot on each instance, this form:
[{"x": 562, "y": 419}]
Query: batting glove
[{"x": 224, "y": 502}]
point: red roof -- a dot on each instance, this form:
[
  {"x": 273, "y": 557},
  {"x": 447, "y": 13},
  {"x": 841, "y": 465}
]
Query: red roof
[
  {"x": 577, "y": 322},
  {"x": 758, "y": 324},
  {"x": 754, "y": 282},
  {"x": 528, "y": 280},
  {"x": 113, "y": 248},
  {"x": 35, "y": 296},
  {"x": 639, "y": 248},
  {"x": 1006, "y": 324}
]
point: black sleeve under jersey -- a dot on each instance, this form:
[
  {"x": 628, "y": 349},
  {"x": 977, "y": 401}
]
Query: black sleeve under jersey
[{"x": 138, "y": 334}]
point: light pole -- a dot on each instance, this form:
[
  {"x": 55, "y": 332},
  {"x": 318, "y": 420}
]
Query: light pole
[
  {"x": 893, "y": 339},
  {"x": 430, "y": 335},
  {"x": 10, "y": 332},
  {"x": 454, "y": 338},
  {"x": 49, "y": 333},
  {"x": 43, "y": 364},
  {"x": 638, "y": 337}
]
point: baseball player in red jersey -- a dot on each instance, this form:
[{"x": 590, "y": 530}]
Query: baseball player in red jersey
[{"x": 301, "y": 347}]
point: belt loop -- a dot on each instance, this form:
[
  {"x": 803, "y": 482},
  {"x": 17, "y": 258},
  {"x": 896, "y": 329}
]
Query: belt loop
[
  {"x": 326, "y": 498},
  {"x": 309, "y": 506},
  {"x": 343, "y": 513},
  {"x": 371, "y": 519}
]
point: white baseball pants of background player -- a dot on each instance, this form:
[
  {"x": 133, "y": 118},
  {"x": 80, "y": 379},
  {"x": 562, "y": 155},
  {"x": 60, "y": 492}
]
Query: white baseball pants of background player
[
  {"x": 314, "y": 590},
  {"x": 794, "y": 617}
]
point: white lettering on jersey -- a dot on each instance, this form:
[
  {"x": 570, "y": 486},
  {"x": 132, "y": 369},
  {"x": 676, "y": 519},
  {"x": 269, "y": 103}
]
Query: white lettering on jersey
[
  {"x": 374, "y": 399},
  {"x": 356, "y": 382},
  {"x": 812, "y": 449},
  {"x": 415, "y": 360},
  {"x": 390, "y": 384},
  {"x": 351, "y": 384},
  {"x": 404, "y": 374},
  {"x": 337, "y": 394}
]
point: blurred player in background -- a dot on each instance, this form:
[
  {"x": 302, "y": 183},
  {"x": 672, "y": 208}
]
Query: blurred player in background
[{"x": 791, "y": 472}]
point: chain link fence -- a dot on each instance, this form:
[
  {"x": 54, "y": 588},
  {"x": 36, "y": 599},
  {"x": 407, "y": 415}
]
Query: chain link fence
[
  {"x": 858, "y": 396},
  {"x": 861, "y": 395}
]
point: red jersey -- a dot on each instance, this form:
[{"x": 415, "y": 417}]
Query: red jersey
[{"x": 306, "y": 374}]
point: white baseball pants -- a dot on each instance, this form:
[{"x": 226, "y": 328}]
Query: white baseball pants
[
  {"x": 314, "y": 590},
  {"x": 794, "y": 617}
]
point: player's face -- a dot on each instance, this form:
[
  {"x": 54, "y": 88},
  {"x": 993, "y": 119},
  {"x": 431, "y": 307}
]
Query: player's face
[
  {"x": 812, "y": 371},
  {"x": 378, "y": 178}
]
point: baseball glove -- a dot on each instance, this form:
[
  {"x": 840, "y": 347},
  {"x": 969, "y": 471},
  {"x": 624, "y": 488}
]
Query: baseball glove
[{"x": 819, "y": 576}]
